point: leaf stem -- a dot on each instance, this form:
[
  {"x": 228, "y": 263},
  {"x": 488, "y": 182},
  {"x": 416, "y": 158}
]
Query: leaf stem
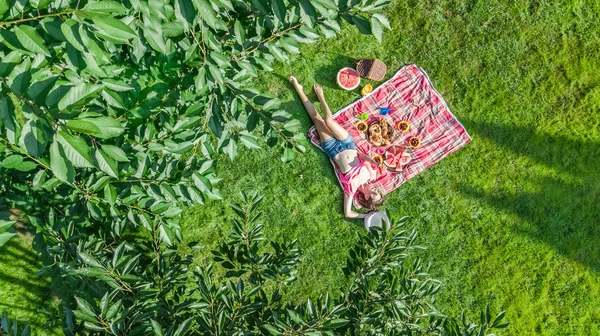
[{"x": 7, "y": 23}]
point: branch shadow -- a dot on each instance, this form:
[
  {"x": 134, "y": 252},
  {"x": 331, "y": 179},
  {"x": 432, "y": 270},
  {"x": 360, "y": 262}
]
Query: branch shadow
[
  {"x": 24, "y": 293},
  {"x": 562, "y": 210}
]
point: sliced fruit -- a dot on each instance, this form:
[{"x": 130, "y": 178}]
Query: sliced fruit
[
  {"x": 403, "y": 126},
  {"x": 348, "y": 79},
  {"x": 414, "y": 142}
]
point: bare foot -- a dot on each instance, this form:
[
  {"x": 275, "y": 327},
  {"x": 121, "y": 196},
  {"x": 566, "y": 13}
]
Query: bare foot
[
  {"x": 318, "y": 90},
  {"x": 295, "y": 83}
]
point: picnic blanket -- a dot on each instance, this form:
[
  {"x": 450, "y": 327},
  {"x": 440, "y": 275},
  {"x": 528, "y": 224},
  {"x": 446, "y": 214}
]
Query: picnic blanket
[{"x": 411, "y": 97}]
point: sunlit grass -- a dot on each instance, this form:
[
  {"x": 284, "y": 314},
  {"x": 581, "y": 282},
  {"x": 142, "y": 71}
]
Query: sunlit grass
[{"x": 511, "y": 219}]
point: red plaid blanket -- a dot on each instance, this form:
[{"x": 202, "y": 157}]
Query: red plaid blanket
[{"x": 411, "y": 97}]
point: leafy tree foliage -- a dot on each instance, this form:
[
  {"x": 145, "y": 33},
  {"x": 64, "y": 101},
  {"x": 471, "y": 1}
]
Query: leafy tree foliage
[{"x": 387, "y": 291}]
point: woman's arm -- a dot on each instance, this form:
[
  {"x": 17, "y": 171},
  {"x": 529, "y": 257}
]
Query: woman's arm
[
  {"x": 348, "y": 212},
  {"x": 367, "y": 158}
]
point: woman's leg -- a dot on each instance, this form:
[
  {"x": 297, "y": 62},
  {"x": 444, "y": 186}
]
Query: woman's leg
[
  {"x": 338, "y": 131},
  {"x": 322, "y": 129}
]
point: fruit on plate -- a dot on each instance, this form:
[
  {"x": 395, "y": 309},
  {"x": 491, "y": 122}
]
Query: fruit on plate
[
  {"x": 414, "y": 142},
  {"x": 396, "y": 157},
  {"x": 361, "y": 126},
  {"x": 380, "y": 133},
  {"x": 403, "y": 126},
  {"x": 390, "y": 161},
  {"x": 366, "y": 90},
  {"x": 348, "y": 79},
  {"x": 405, "y": 159}
]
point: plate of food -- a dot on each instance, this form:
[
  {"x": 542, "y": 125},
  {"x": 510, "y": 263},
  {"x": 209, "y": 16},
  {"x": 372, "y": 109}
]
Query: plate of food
[{"x": 380, "y": 133}]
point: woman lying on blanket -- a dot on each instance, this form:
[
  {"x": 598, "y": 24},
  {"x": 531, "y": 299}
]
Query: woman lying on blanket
[{"x": 358, "y": 169}]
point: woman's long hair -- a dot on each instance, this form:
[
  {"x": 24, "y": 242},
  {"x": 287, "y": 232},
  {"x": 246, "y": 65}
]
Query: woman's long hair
[{"x": 369, "y": 204}]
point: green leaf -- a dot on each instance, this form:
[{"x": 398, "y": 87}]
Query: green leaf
[
  {"x": 21, "y": 82},
  {"x": 70, "y": 29},
  {"x": 335, "y": 323},
  {"x": 172, "y": 29},
  {"x": 34, "y": 137},
  {"x": 156, "y": 327},
  {"x": 110, "y": 194},
  {"x": 231, "y": 149},
  {"x": 85, "y": 306},
  {"x": 116, "y": 85},
  {"x": 216, "y": 74},
  {"x": 166, "y": 234},
  {"x": 277, "y": 52},
  {"x": 12, "y": 161},
  {"x": 115, "y": 152},
  {"x": 202, "y": 182},
  {"x": 79, "y": 94},
  {"x": 292, "y": 125},
  {"x": 155, "y": 39},
  {"x": 288, "y": 155},
  {"x": 240, "y": 32},
  {"x": 76, "y": 150},
  {"x": 26, "y": 166},
  {"x": 105, "y": 7},
  {"x": 7, "y": 114},
  {"x": 108, "y": 127},
  {"x": 114, "y": 28},
  {"x": 278, "y": 7},
  {"x": 3, "y": 7},
  {"x": 208, "y": 15},
  {"x": 309, "y": 14},
  {"x": 31, "y": 40},
  {"x": 61, "y": 167},
  {"x": 40, "y": 89},
  {"x": 272, "y": 330},
  {"x": 383, "y": 20},
  {"x": 183, "y": 327},
  {"x": 106, "y": 164},
  {"x": 185, "y": 12},
  {"x": 5, "y": 237},
  {"x": 362, "y": 24},
  {"x": 249, "y": 141},
  {"x": 377, "y": 29},
  {"x": 83, "y": 126}
]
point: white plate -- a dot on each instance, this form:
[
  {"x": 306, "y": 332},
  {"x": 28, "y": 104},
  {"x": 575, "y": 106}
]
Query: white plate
[{"x": 376, "y": 219}]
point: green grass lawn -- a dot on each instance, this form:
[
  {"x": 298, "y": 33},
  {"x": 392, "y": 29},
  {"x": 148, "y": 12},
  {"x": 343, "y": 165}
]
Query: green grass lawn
[{"x": 511, "y": 219}]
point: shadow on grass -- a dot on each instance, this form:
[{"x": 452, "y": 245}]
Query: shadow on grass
[
  {"x": 326, "y": 75},
  {"x": 562, "y": 211},
  {"x": 23, "y": 293}
]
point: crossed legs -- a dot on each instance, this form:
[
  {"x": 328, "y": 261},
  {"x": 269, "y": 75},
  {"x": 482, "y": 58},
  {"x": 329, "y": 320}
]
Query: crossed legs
[{"x": 326, "y": 128}]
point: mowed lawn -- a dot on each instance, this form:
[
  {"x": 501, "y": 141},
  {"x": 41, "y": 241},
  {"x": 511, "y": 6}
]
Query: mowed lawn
[{"x": 512, "y": 219}]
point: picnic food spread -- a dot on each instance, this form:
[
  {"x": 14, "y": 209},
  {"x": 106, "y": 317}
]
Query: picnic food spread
[
  {"x": 414, "y": 142},
  {"x": 361, "y": 126},
  {"x": 417, "y": 110},
  {"x": 348, "y": 79},
  {"x": 403, "y": 126},
  {"x": 380, "y": 133},
  {"x": 396, "y": 157}
]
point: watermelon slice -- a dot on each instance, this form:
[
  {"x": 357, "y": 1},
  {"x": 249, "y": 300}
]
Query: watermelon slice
[
  {"x": 405, "y": 159},
  {"x": 348, "y": 79},
  {"x": 390, "y": 161}
]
